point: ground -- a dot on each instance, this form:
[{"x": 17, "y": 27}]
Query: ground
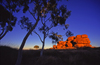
[{"x": 80, "y": 56}]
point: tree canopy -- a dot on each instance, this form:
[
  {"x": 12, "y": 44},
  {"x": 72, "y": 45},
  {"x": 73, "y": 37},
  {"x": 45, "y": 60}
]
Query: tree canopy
[
  {"x": 47, "y": 11},
  {"x": 40, "y": 10},
  {"x": 36, "y": 46},
  {"x": 7, "y": 21}
]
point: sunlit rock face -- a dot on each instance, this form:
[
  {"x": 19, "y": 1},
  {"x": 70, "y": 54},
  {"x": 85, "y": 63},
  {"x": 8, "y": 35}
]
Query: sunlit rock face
[
  {"x": 82, "y": 41},
  {"x": 73, "y": 42}
]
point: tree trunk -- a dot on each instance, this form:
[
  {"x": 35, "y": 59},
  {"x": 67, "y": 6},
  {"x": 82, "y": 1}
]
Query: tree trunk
[
  {"x": 41, "y": 54},
  {"x": 18, "y": 62},
  {"x": 2, "y": 35}
]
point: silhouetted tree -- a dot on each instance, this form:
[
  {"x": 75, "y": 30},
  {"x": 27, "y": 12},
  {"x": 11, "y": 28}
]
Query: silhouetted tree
[
  {"x": 7, "y": 20},
  {"x": 10, "y": 6},
  {"x": 45, "y": 28},
  {"x": 36, "y": 46},
  {"x": 57, "y": 16},
  {"x": 40, "y": 9}
]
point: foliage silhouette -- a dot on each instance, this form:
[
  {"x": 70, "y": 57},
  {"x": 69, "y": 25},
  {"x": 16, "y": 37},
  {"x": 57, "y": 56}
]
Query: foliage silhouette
[
  {"x": 40, "y": 10},
  {"x": 69, "y": 33},
  {"x": 55, "y": 37},
  {"x": 8, "y": 7},
  {"x": 7, "y": 21},
  {"x": 57, "y": 16}
]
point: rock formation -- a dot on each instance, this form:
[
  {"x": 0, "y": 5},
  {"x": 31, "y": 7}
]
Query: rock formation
[{"x": 73, "y": 42}]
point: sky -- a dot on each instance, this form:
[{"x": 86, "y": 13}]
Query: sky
[{"x": 84, "y": 19}]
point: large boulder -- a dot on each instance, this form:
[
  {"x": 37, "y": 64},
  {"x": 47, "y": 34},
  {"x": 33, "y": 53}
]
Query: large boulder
[
  {"x": 54, "y": 46},
  {"x": 69, "y": 44},
  {"x": 82, "y": 41},
  {"x": 71, "y": 38},
  {"x": 78, "y": 36},
  {"x": 73, "y": 42},
  {"x": 84, "y": 36}
]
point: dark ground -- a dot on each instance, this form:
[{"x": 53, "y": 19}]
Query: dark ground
[{"x": 81, "y": 56}]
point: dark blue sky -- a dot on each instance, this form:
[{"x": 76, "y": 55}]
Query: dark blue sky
[{"x": 84, "y": 19}]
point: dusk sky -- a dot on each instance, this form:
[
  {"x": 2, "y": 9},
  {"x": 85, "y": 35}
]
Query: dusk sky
[{"x": 84, "y": 19}]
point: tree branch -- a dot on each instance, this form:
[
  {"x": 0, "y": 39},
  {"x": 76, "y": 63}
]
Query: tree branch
[
  {"x": 47, "y": 19},
  {"x": 44, "y": 37},
  {"x": 48, "y": 31},
  {"x": 38, "y": 35},
  {"x": 42, "y": 21},
  {"x": 2, "y": 32},
  {"x": 32, "y": 14},
  {"x": 49, "y": 28}
]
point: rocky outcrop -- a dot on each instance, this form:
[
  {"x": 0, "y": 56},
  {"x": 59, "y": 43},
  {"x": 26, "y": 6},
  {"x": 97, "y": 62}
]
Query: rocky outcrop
[
  {"x": 73, "y": 42},
  {"x": 82, "y": 41}
]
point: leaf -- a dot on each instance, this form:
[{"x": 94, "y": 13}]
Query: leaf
[
  {"x": 52, "y": 16},
  {"x": 45, "y": 3},
  {"x": 10, "y": 28},
  {"x": 69, "y": 33},
  {"x": 69, "y": 13},
  {"x": 66, "y": 26},
  {"x": 63, "y": 9},
  {"x": 17, "y": 10},
  {"x": 59, "y": 36},
  {"x": 62, "y": 21},
  {"x": 25, "y": 8}
]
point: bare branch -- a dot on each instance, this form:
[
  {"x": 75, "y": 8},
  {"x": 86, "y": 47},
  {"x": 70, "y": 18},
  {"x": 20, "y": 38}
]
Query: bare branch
[
  {"x": 2, "y": 32},
  {"x": 48, "y": 31},
  {"x": 42, "y": 21},
  {"x": 32, "y": 14},
  {"x": 47, "y": 19},
  {"x": 49, "y": 28},
  {"x": 38, "y": 35}
]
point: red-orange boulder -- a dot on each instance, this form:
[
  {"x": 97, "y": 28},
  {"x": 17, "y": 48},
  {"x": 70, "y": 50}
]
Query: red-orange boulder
[
  {"x": 71, "y": 38},
  {"x": 78, "y": 41},
  {"x": 78, "y": 36},
  {"x": 54, "y": 46},
  {"x": 84, "y": 36},
  {"x": 69, "y": 44}
]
